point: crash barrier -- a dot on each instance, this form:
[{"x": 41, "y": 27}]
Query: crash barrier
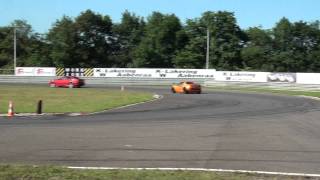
[
  {"x": 94, "y": 81},
  {"x": 271, "y": 85}
]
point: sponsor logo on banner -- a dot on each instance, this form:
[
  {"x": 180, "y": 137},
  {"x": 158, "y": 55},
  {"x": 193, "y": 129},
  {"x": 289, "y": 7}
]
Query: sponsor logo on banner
[
  {"x": 154, "y": 73},
  {"x": 24, "y": 71},
  {"x": 35, "y": 71},
  {"x": 45, "y": 71},
  {"x": 241, "y": 76},
  {"x": 282, "y": 77}
]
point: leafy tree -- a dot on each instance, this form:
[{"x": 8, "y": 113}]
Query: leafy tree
[
  {"x": 158, "y": 46},
  {"x": 293, "y": 44},
  {"x": 63, "y": 42},
  {"x": 257, "y": 50},
  {"x": 6, "y": 47},
  {"x": 25, "y": 38},
  {"x": 227, "y": 39},
  {"x": 193, "y": 46},
  {"x": 94, "y": 40},
  {"x": 128, "y": 35},
  {"x": 283, "y": 36},
  {"x": 39, "y": 55}
]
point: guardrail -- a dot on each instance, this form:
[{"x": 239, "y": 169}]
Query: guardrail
[
  {"x": 96, "y": 80},
  {"x": 158, "y": 81},
  {"x": 271, "y": 85}
]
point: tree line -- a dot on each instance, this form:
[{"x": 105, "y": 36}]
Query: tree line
[{"x": 163, "y": 41}]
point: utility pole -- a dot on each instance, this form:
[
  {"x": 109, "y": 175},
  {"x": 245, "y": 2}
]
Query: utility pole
[
  {"x": 15, "y": 49},
  {"x": 208, "y": 51}
]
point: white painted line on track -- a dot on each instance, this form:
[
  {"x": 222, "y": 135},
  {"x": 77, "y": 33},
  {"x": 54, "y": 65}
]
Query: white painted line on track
[
  {"x": 310, "y": 97},
  {"x": 155, "y": 98},
  {"x": 200, "y": 169}
]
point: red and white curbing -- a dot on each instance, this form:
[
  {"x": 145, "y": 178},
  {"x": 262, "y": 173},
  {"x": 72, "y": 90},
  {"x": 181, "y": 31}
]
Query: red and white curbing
[{"x": 200, "y": 169}]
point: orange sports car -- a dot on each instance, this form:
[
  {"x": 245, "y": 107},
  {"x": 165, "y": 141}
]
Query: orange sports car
[{"x": 186, "y": 87}]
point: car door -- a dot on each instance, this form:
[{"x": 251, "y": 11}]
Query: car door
[
  {"x": 180, "y": 87},
  {"x": 66, "y": 81},
  {"x": 63, "y": 81},
  {"x": 58, "y": 82}
]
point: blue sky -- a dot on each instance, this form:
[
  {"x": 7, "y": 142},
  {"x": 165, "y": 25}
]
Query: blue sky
[{"x": 41, "y": 14}]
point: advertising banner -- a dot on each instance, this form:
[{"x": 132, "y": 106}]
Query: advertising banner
[
  {"x": 282, "y": 77},
  {"x": 154, "y": 73},
  {"x": 241, "y": 76},
  {"x": 39, "y": 71},
  {"x": 24, "y": 71},
  {"x": 308, "y": 78},
  {"x": 35, "y": 71}
]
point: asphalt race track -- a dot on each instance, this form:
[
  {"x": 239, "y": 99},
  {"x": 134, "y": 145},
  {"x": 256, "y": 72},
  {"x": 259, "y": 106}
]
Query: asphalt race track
[{"x": 226, "y": 130}]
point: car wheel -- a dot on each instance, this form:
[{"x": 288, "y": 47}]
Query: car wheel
[
  {"x": 52, "y": 85},
  {"x": 172, "y": 90},
  {"x": 70, "y": 85},
  {"x": 185, "y": 91}
]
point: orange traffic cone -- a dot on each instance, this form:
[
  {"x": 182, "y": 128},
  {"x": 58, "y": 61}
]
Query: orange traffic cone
[{"x": 10, "y": 110}]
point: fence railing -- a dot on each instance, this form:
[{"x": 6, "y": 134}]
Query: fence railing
[{"x": 10, "y": 79}]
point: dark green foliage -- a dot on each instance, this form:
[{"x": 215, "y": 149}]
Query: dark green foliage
[
  {"x": 226, "y": 40},
  {"x": 6, "y": 47},
  {"x": 128, "y": 35},
  {"x": 62, "y": 40},
  {"x": 159, "y": 42},
  {"x": 257, "y": 50},
  {"x": 94, "y": 40},
  {"x": 162, "y": 41}
]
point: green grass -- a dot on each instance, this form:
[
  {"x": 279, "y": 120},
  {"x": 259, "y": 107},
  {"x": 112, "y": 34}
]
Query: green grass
[
  {"x": 267, "y": 90},
  {"x": 63, "y": 100},
  {"x": 9, "y": 172}
]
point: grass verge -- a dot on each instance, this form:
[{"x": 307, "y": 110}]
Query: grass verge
[
  {"x": 267, "y": 90},
  {"x": 8, "y": 172},
  {"x": 64, "y": 100}
]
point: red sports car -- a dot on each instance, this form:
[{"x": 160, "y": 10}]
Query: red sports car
[{"x": 67, "y": 81}]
